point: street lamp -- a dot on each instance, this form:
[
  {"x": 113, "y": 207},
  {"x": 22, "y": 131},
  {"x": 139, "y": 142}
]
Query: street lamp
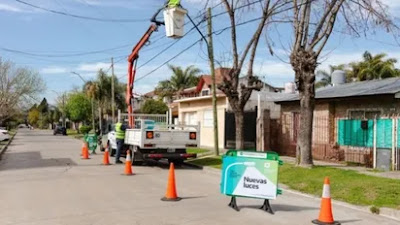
[{"x": 92, "y": 102}]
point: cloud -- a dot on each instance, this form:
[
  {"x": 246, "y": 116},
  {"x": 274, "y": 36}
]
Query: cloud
[
  {"x": 9, "y": 8},
  {"x": 53, "y": 70},
  {"x": 93, "y": 67}
]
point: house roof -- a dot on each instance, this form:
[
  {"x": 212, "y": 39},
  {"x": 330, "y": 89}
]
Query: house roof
[
  {"x": 354, "y": 89},
  {"x": 150, "y": 94},
  {"x": 220, "y": 73}
]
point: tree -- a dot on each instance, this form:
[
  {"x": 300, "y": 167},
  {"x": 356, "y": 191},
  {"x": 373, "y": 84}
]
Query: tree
[
  {"x": 152, "y": 106},
  {"x": 33, "y": 117},
  {"x": 78, "y": 107},
  {"x": 180, "y": 80},
  {"x": 374, "y": 67},
  {"x": 18, "y": 87},
  {"x": 313, "y": 22},
  {"x": 239, "y": 95}
]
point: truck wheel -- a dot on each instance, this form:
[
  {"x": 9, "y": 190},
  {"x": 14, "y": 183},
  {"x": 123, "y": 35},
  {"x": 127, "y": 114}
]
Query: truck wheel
[
  {"x": 137, "y": 158},
  {"x": 110, "y": 150}
]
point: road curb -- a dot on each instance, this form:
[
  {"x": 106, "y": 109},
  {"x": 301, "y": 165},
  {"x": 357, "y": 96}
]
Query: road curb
[
  {"x": 6, "y": 146},
  {"x": 384, "y": 212}
]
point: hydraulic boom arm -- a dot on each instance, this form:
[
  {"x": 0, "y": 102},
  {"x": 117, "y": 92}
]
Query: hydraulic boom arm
[{"x": 132, "y": 60}]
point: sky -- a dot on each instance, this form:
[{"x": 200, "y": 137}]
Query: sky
[{"x": 55, "y": 45}]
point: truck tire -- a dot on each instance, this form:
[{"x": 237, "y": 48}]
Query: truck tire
[
  {"x": 137, "y": 158},
  {"x": 111, "y": 150}
]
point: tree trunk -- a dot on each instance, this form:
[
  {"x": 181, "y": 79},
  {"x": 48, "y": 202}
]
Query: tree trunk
[
  {"x": 239, "y": 117},
  {"x": 304, "y": 141}
]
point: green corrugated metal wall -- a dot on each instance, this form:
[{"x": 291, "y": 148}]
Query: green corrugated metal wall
[
  {"x": 350, "y": 133},
  {"x": 384, "y": 133}
]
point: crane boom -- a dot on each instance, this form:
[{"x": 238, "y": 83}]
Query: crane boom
[{"x": 132, "y": 60}]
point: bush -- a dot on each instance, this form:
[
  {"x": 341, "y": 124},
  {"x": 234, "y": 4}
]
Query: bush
[
  {"x": 85, "y": 129},
  {"x": 374, "y": 210}
]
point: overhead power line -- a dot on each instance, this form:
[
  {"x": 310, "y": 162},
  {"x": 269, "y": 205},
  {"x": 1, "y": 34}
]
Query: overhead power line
[
  {"x": 217, "y": 32},
  {"x": 169, "y": 60},
  {"x": 83, "y": 17},
  {"x": 62, "y": 55}
]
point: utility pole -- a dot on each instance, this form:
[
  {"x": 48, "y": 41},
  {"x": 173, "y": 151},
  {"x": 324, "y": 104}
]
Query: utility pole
[
  {"x": 214, "y": 93},
  {"x": 112, "y": 91},
  {"x": 63, "y": 111}
]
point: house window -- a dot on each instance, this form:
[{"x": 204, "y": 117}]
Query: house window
[
  {"x": 191, "y": 118},
  {"x": 205, "y": 92},
  {"x": 364, "y": 114},
  {"x": 208, "y": 118}
]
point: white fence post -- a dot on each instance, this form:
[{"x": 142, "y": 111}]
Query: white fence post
[{"x": 374, "y": 159}]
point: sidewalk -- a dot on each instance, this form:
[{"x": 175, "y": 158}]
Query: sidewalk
[{"x": 363, "y": 170}]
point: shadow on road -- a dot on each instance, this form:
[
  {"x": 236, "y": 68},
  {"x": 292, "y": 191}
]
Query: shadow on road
[
  {"x": 281, "y": 207},
  {"x": 163, "y": 164},
  {"x": 27, "y": 160},
  {"x": 348, "y": 221}
]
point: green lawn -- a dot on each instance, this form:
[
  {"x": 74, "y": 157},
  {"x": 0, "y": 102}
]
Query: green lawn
[
  {"x": 74, "y": 133},
  {"x": 197, "y": 150},
  {"x": 213, "y": 161},
  {"x": 346, "y": 185}
]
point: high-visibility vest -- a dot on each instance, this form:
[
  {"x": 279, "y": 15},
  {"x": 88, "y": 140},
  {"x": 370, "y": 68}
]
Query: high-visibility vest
[{"x": 119, "y": 133}]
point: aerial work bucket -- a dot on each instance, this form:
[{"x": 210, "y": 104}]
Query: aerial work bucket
[{"x": 174, "y": 18}]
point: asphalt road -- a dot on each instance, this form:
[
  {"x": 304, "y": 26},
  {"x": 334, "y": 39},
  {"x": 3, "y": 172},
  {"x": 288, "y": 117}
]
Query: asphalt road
[{"x": 43, "y": 181}]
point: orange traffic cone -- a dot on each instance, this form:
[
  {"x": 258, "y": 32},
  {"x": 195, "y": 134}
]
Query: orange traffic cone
[
  {"x": 85, "y": 151},
  {"x": 128, "y": 164},
  {"x": 325, "y": 214},
  {"x": 106, "y": 157},
  {"x": 171, "y": 195},
  {"x": 83, "y": 147}
]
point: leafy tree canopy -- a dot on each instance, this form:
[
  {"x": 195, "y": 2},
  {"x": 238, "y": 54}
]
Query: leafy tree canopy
[{"x": 152, "y": 106}]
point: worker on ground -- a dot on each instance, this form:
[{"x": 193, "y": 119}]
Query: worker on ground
[{"x": 119, "y": 137}]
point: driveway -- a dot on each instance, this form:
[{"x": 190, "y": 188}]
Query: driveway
[{"x": 43, "y": 181}]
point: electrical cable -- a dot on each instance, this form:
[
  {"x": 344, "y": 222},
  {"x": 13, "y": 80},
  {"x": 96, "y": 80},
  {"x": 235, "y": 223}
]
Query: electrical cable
[{"x": 82, "y": 17}]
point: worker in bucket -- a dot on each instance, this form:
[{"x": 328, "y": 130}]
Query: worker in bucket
[
  {"x": 119, "y": 137},
  {"x": 173, "y": 3}
]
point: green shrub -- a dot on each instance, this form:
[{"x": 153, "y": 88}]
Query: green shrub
[
  {"x": 374, "y": 209},
  {"x": 85, "y": 129}
]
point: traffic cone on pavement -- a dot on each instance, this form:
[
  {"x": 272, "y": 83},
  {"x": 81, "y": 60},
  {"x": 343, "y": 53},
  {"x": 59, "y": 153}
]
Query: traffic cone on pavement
[
  {"x": 83, "y": 148},
  {"x": 171, "y": 194},
  {"x": 106, "y": 157},
  {"x": 325, "y": 214},
  {"x": 85, "y": 151},
  {"x": 128, "y": 164}
]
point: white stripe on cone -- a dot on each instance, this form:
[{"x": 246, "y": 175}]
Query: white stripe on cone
[
  {"x": 326, "y": 193},
  {"x": 128, "y": 157}
]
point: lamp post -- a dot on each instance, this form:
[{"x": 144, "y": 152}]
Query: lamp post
[{"x": 92, "y": 102}]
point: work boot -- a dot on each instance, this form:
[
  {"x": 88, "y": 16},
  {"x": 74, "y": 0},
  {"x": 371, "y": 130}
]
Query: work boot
[{"x": 118, "y": 162}]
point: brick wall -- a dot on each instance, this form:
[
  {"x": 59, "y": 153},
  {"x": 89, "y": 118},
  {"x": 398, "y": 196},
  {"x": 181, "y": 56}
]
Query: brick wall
[{"x": 327, "y": 113}]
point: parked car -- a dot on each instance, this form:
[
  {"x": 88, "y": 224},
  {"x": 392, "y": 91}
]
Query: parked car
[
  {"x": 4, "y": 135},
  {"x": 60, "y": 130}
]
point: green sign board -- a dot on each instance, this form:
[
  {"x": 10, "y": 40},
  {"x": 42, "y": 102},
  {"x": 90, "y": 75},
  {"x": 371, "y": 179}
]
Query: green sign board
[
  {"x": 91, "y": 139},
  {"x": 250, "y": 174}
]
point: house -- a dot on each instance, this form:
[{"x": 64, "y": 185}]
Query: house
[
  {"x": 197, "y": 110},
  {"x": 354, "y": 122}
]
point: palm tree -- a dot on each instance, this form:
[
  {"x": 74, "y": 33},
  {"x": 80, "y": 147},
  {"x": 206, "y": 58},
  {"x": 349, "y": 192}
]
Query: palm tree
[
  {"x": 180, "y": 80},
  {"x": 374, "y": 67}
]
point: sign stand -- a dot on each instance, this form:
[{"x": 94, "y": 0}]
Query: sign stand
[
  {"x": 267, "y": 207},
  {"x": 252, "y": 175},
  {"x": 233, "y": 204}
]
